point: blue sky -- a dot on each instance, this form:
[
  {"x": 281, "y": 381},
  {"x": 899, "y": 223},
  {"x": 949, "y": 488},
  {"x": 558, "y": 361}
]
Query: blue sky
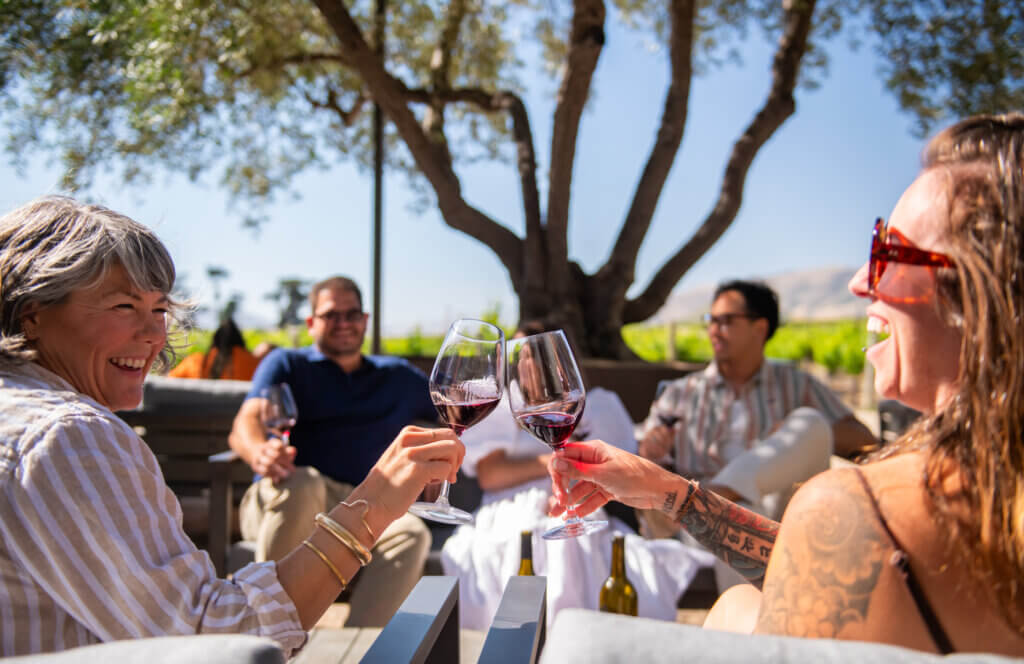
[{"x": 810, "y": 199}]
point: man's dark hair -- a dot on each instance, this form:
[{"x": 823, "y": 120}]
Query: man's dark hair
[
  {"x": 761, "y": 301},
  {"x": 333, "y": 283}
]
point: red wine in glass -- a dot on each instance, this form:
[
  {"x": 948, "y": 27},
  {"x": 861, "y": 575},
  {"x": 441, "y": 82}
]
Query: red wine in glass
[
  {"x": 552, "y": 429},
  {"x": 466, "y": 384},
  {"x": 280, "y": 425},
  {"x": 461, "y": 416},
  {"x": 278, "y": 411}
]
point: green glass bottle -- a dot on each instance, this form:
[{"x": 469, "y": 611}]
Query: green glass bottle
[
  {"x": 526, "y": 553},
  {"x": 617, "y": 594}
]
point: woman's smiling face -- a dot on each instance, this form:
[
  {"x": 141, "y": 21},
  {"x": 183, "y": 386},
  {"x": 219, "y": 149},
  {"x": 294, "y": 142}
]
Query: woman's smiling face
[
  {"x": 103, "y": 339},
  {"x": 918, "y": 364}
]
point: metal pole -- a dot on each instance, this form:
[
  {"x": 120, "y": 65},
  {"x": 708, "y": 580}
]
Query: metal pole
[{"x": 378, "y": 183}]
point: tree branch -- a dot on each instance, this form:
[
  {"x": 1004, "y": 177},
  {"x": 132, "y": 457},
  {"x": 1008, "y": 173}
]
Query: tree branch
[
  {"x": 779, "y": 106},
  {"x": 522, "y": 135},
  {"x": 440, "y": 72},
  {"x": 586, "y": 40},
  {"x": 297, "y": 59},
  {"x": 348, "y": 117},
  {"x": 621, "y": 264},
  {"x": 432, "y": 162}
]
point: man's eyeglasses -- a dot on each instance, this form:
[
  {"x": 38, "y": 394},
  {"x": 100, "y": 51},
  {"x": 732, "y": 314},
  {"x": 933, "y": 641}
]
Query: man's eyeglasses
[
  {"x": 335, "y": 317},
  {"x": 891, "y": 246},
  {"x": 724, "y": 320}
]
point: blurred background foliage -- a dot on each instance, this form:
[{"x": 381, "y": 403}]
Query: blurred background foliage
[{"x": 837, "y": 346}]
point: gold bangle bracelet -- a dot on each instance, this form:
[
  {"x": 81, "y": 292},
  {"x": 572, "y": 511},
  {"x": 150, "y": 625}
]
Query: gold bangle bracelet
[
  {"x": 342, "y": 534},
  {"x": 327, "y": 561},
  {"x": 361, "y": 503}
]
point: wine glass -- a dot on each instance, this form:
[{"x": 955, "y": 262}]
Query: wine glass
[
  {"x": 278, "y": 411},
  {"x": 465, "y": 385},
  {"x": 546, "y": 395}
]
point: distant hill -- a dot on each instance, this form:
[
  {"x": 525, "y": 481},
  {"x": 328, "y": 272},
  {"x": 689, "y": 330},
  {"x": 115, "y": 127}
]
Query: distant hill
[{"x": 818, "y": 294}]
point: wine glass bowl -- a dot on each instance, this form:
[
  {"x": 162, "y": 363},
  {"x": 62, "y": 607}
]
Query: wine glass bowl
[
  {"x": 547, "y": 398},
  {"x": 278, "y": 411},
  {"x": 466, "y": 384}
]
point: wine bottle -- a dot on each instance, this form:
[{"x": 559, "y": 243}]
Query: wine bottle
[
  {"x": 526, "y": 553},
  {"x": 617, "y": 594}
]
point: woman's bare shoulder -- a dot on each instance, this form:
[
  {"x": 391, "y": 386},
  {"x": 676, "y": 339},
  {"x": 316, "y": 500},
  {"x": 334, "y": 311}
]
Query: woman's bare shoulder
[{"x": 827, "y": 560}]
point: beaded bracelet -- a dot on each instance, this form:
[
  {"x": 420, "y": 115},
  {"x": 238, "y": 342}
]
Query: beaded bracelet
[
  {"x": 342, "y": 534},
  {"x": 327, "y": 561}
]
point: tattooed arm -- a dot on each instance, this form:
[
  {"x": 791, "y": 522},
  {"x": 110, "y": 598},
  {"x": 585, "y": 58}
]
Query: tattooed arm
[{"x": 740, "y": 537}]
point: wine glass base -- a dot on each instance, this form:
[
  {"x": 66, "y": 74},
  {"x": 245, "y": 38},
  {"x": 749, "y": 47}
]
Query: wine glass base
[
  {"x": 575, "y": 528},
  {"x": 440, "y": 513}
]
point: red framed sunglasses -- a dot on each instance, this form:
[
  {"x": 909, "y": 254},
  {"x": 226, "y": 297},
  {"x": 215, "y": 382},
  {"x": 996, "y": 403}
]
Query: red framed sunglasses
[{"x": 891, "y": 246}]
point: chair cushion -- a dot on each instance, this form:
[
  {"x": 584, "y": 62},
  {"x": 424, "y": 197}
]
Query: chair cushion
[
  {"x": 589, "y": 636},
  {"x": 202, "y": 649}
]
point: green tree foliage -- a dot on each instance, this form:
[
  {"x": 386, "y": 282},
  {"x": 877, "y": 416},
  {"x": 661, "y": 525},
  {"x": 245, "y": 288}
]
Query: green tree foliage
[
  {"x": 837, "y": 346},
  {"x": 950, "y": 58},
  {"x": 257, "y": 91}
]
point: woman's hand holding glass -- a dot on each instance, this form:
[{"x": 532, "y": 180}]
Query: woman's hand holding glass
[
  {"x": 547, "y": 397},
  {"x": 466, "y": 384},
  {"x": 603, "y": 472},
  {"x": 416, "y": 458}
]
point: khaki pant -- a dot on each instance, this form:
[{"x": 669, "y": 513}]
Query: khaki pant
[{"x": 278, "y": 517}]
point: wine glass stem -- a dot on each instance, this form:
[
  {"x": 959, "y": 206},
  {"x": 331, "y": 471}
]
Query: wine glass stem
[
  {"x": 442, "y": 498},
  {"x": 570, "y": 507}
]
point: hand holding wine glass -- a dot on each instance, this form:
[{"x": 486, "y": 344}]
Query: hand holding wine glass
[
  {"x": 547, "y": 397},
  {"x": 466, "y": 384},
  {"x": 278, "y": 413}
]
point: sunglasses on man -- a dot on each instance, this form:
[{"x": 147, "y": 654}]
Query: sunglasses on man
[{"x": 336, "y": 317}]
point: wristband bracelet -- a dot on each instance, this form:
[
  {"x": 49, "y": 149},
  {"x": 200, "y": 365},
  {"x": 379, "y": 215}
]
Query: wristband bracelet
[
  {"x": 342, "y": 534},
  {"x": 690, "y": 490},
  {"x": 327, "y": 561}
]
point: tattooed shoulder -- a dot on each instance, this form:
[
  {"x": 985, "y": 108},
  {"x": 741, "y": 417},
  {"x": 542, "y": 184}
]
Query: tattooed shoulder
[{"x": 827, "y": 560}]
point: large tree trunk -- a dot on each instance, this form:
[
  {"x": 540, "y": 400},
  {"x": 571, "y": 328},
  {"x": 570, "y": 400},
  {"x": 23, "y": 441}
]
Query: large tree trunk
[{"x": 591, "y": 308}]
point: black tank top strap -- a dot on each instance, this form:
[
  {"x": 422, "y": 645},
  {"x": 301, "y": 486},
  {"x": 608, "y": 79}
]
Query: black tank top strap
[{"x": 900, "y": 561}]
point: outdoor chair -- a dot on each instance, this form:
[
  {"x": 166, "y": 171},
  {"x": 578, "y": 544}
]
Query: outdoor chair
[
  {"x": 425, "y": 629},
  {"x": 589, "y": 637}
]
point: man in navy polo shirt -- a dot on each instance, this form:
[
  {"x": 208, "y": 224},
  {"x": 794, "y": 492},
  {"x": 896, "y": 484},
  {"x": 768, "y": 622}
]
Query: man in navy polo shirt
[{"x": 350, "y": 408}]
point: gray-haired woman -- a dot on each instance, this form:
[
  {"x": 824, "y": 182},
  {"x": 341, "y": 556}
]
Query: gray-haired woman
[{"x": 92, "y": 547}]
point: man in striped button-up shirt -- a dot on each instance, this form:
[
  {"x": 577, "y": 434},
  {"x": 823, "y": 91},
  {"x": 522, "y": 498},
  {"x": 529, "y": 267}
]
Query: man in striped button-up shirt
[{"x": 748, "y": 427}]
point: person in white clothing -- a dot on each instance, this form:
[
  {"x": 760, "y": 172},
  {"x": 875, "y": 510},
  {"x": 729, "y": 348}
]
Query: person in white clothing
[{"x": 511, "y": 467}]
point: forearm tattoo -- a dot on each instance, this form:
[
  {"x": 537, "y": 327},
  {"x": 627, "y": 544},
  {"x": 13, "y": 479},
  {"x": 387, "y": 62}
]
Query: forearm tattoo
[
  {"x": 742, "y": 538},
  {"x": 833, "y": 556}
]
